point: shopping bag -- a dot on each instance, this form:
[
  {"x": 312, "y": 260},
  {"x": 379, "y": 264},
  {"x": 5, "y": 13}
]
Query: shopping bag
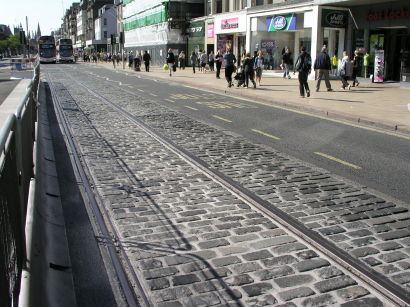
[{"x": 166, "y": 67}]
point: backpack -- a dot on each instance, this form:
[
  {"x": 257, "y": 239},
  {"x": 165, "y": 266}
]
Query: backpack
[{"x": 307, "y": 63}]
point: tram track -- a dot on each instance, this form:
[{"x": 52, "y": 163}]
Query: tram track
[
  {"x": 373, "y": 279},
  {"x": 124, "y": 272}
]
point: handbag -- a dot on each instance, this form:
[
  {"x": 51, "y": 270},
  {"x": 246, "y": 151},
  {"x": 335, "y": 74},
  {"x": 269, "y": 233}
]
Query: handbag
[{"x": 166, "y": 67}]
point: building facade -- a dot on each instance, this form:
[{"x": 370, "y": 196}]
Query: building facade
[{"x": 157, "y": 25}]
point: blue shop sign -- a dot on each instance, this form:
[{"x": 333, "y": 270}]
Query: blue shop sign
[{"x": 281, "y": 23}]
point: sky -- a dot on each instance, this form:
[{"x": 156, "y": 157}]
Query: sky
[{"x": 48, "y": 13}]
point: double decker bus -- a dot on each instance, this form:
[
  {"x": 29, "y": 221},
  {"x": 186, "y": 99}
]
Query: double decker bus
[
  {"x": 47, "y": 49},
  {"x": 65, "y": 50}
]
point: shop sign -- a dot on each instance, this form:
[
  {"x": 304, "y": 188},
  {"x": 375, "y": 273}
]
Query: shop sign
[
  {"x": 231, "y": 23},
  {"x": 281, "y": 23},
  {"x": 268, "y": 44},
  {"x": 379, "y": 66},
  {"x": 388, "y": 15},
  {"x": 196, "y": 29},
  {"x": 211, "y": 30},
  {"x": 334, "y": 19}
]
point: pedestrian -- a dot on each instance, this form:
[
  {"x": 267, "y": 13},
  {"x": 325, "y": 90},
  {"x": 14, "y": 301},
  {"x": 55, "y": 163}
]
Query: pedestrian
[
  {"x": 286, "y": 62},
  {"x": 247, "y": 65},
  {"x": 357, "y": 67},
  {"x": 181, "y": 59},
  {"x": 211, "y": 59},
  {"x": 170, "y": 61},
  {"x": 204, "y": 61},
  {"x": 345, "y": 70},
  {"x": 199, "y": 60},
  {"x": 130, "y": 59},
  {"x": 146, "y": 58},
  {"x": 113, "y": 58},
  {"x": 259, "y": 65},
  {"x": 322, "y": 67},
  {"x": 230, "y": 61},
  {"x": 334, "y": 61},
  {"x": 218, "y": 62},
  {"x": 303, "y": 66},
  {"x": 366, "y": 62},
  {"x": 194, "y": 59}
]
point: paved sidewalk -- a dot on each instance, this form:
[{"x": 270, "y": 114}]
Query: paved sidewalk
[{"x": 383, "y": 105}]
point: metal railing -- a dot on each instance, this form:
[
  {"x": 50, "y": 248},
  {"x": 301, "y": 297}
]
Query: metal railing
[{"x": 16, "y": 169}]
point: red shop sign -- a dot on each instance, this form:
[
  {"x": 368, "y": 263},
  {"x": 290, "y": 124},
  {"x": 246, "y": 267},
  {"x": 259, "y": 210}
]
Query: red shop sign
[{"x": 388, "y": 15}]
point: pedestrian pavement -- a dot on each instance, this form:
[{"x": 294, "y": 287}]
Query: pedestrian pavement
[{"x": 385, "y": 105}]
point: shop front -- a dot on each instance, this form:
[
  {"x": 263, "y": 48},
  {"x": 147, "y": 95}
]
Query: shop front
[
  {"x": 384, "y": 31},
  {"x": 230, "y": 31},
  {"x": 196, "y": 38},
  {"x": 309, "y": 26}
]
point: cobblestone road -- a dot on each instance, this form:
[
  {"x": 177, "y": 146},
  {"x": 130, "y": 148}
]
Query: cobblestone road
[{"x": 195, "y": 243}]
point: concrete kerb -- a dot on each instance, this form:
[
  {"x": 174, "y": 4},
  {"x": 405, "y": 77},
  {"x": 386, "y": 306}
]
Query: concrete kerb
[
  {"x": 296, "y": 106},
  {"x": 47, "y": 279}
]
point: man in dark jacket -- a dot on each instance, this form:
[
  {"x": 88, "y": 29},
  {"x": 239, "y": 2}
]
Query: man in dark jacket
[
  {"x": 303, "y": 66},
  {"x": 146, "y": 58},
  {"x": 322, "y": 67}
]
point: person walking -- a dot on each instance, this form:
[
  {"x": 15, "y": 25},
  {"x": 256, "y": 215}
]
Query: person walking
[
  {"x": 146, "y": 58},
  {"x": 230, "y": 61},
  {"x": 211, "y": 59},
  {"x": 322, "y": 67},
  {"x": 130, "y": 59},
  {"x": 303, "y": 66},
  {"x": 181, "y": 59},
  {"x": 366, "y": 62},
  {"x": 218, "y": 62},
  {"x": 194, "y": 59},
  {"x": 345, "y": 70},
  {"x": 259, "y": 65},
  {"x": 247, "y": 65},
  {"x": 356, "y": 68},
  {"x": 334, "y": 61},
  {"x": 170, "y": 61},
  {"x": 113, "y": 59},
  {"x": 199, "y": 60},
  {"x": 286, "y": 62},
  {"x": 204, "y": 61}
]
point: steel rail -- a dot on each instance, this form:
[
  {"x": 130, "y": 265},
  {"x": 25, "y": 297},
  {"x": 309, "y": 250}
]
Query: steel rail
[
  {"x": 389, "y": 290},
  {"x": 117, "y": 262}
]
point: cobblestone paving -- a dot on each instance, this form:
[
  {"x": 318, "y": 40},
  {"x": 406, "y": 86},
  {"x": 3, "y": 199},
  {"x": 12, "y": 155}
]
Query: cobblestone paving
[{"x": 195, "y": 243}]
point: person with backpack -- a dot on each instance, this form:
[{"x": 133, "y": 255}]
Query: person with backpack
[
  {"x": 356, "y": 68},
  {"x": 170, "y": 61},
  {"x": 345, "y": 70},
  {"x": 322, "y": 67},
  {"x": 303, "y": 66}
]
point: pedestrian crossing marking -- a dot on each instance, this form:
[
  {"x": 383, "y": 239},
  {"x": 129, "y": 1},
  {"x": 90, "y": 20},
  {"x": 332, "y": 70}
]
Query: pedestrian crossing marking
[
  {"x": 266, "y": 134},
  {"x": 225, "y": 105},
  {"x": 337, "y": 160},
  {"x": 221, "y": 118}
]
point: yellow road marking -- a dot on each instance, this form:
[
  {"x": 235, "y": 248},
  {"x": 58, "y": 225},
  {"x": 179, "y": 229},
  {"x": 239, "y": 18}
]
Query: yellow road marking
[
  {"x": 141, "y": 90},
  {"x": 221, "y": 118},
  {"x": 306, "y": 113},
  {"x": 266, "y": 134},
  {"x": 130, "y": 86},
  {"x": 338, "y": 160},
  {"x": 191, "y": 108},
  {"x": 153, "y": 95}
]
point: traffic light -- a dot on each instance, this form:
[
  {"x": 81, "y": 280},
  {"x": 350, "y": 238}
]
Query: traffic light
[{"x": 113, "y": 39}]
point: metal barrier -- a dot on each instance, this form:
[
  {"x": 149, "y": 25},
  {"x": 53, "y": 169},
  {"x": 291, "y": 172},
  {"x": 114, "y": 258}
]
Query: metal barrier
[{"x": 16, "y": 170}]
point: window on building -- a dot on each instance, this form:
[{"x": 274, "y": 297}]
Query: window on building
[
  {"x": 105, "y": 34},
  {"x": 259, "y": 2},
  {"x": 208, "y": 7},
  {"x": 105, "y": 21},
  {"x": 218, "y": 4}
]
